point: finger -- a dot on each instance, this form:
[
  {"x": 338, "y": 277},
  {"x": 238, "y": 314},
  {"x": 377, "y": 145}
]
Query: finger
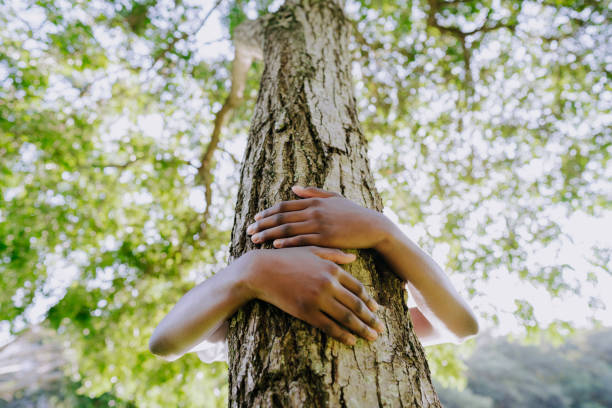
[
  {"x": 354, "y": 285},
  {"x": 285, "y": 230},
  {"x": 345, "y": 317},
  {"x": 276, "y": 220},
  {"x": 308, "y": 192},
  {"x": 332, "y": 329},
  {"x": 359, "y": 308},
  {"x": 283, "y": 206},
  {"x": 299, "y": 240},
  {"x": 331, "y": 254}
]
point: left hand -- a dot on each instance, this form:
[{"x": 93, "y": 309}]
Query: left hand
[{"x": 322, "y": 218}]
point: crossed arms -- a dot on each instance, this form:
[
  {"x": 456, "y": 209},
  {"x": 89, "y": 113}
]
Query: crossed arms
[{"x": 303, "y": 277}]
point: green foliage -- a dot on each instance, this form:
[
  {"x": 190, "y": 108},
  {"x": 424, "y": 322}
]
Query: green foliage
[
  {"x": 501, "y": 373},
  {"x": 105, "y": 108},
  {"x": 491, "y": 120},
  {"x": 63, "y": 394}
]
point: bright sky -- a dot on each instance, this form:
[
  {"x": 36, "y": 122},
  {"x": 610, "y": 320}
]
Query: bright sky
[{"x": 584, "y": 230}]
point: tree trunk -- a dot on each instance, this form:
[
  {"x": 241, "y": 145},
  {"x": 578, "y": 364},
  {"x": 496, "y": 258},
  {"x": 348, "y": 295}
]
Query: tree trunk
[{"x": 305, "y": 131}]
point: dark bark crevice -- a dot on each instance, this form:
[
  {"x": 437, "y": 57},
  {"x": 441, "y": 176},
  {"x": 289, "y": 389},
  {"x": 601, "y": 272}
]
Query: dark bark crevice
[{"x": 305, "y": 131}]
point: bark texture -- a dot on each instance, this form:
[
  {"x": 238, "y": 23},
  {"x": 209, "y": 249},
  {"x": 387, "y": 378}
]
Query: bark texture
[{"x": 305, "y": 131}]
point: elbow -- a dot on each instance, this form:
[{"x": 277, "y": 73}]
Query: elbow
[
  {"x": 469, "y": 329},
  {"x": 155, "y": 346},
  {"x": 161, "y": 348},
  {"x": 472, "y": 324}
]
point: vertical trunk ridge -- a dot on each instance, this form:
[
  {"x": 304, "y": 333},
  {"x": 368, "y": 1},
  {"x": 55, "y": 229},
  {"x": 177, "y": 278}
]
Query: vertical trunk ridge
[{"x": 305, "y": 131}]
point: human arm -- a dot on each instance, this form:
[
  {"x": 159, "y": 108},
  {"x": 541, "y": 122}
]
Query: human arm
[
  {"x": 327, "y": 219},
  {"x": 304, "y": 282}
]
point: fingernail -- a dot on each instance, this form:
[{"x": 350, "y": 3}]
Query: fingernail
[
  {"x": 278, "y": 243},
  {"x": 372, "y": 335},
  {"x": 350, "y": 341},
  {"x": 258, "y": 216},
  {"x": 250, "y": 229},
  {"x": 374, "y": 304},
  {"x": 255, "y": 238},
  {"x": 379, "y": 326}
]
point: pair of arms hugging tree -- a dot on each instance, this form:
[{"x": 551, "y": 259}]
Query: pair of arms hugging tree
[{"x": 303, "y": 277}]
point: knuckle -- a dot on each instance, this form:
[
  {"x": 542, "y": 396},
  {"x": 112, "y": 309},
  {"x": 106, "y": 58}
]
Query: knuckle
[
  {"x": 307, "y": 305},
  {"x": 327, "y": 283},
  {"x": 333, "y": 269},
  {"x": 362, "y": 292},
  {"x": 286, "y": 229},
  {"x": 336, "y": 271},
  {"x": 315, "y": 214},
  {"x": 359, "y": 308},
  {"x": 327, "y": 328},
  {"x": 347, "y": 318},
  {"x": 278, "y": 218}
]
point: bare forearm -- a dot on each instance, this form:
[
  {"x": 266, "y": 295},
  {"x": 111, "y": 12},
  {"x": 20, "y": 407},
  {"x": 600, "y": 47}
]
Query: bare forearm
[
  {"x": 327, "y": 219},
  {"x": 307, "y": 283},
  {"x": 434, "y": 294},
  {"x": 201, "y": 311}
]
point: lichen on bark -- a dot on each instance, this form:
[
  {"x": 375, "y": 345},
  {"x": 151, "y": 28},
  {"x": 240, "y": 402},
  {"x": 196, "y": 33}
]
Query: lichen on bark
[{"x": 305, "y": 131}]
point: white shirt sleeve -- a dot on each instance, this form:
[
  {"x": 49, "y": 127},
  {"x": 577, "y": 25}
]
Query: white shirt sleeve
[{"x": 214, "y": 347}]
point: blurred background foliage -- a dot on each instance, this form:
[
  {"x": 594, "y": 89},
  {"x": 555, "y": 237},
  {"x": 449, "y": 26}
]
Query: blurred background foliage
[
  {"x": 489, "y": 123},
  {"x": 507, "y": 374}
]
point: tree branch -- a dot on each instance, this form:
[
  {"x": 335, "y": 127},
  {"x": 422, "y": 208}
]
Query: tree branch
[
  {"x": 432, "y": 21},
  {"x": 231, "y": 155},
  {"x": 436, "y": 5},
  {"x": 184, "y": 36},
  {"x": 116, "y": 165},
  {"x": 248, "y": 41}
]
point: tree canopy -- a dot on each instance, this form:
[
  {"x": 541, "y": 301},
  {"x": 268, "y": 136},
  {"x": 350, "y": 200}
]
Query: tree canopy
[{"x": 489, "y": 123}]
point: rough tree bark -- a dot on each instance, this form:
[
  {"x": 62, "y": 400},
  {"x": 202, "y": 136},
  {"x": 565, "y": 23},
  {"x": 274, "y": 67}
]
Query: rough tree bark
[{"x": 305, "y": 131}]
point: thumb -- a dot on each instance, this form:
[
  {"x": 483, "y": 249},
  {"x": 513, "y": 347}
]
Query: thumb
[
  {"x": 308, "y": 192},
  {"x": 334, "y": 255}
]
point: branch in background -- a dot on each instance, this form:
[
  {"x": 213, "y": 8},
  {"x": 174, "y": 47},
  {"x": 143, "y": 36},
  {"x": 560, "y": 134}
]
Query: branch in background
[
  {"x": 85, "y": 88},
  {"x": 360, "y": 38},
  {"x": 231, "y": 155},
  {"x": 432, "y": 21},
  {"x": 116, "y": 165},
  {"x": 184, "y": 36},
  {"x": 436, "y": 5},
  {"x": 248, "y": 40}
]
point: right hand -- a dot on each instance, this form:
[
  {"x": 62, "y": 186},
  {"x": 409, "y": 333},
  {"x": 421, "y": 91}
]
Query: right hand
[{"x": 307, "y": 283}]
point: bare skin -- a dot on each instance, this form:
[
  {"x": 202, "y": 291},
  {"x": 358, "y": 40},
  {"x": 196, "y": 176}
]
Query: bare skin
[
  {"x": 303, "y": 278},
  {"x": 329, "y": 220},
  {"x": 305, "y": 282}
]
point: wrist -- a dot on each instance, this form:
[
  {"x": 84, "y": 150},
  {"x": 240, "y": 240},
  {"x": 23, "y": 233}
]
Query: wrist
[
  {"x": 388, "y": 233},
  {"x": 252, "y": 267},
  {"x": 247, "y": 269}
]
